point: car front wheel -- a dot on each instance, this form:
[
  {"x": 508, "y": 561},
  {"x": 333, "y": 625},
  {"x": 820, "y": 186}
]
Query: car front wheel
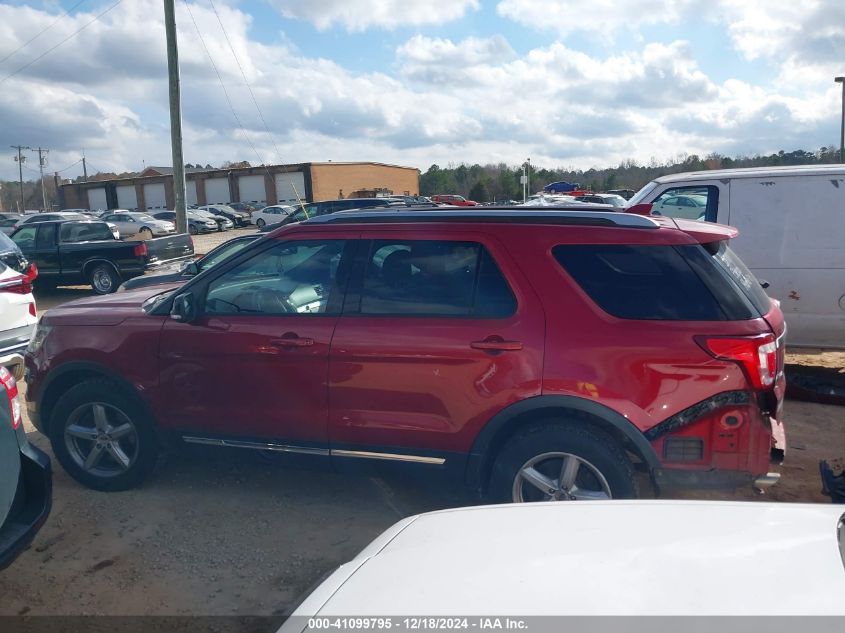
[
  {"x": 260, "y": 223},
  {"x": 102, "y": 437},
  {"x": 562, "y": 461}
]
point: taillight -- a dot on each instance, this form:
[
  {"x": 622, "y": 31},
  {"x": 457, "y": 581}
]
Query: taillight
[
  {"x": 32, "y": 310},
  {"x": 31, "y": 272},
  {"x": 19, "y": 285},
  {"x": 141, "y": 249},
  {"x": 757, "y": 355},
  {"x": 8, "y": 381}
]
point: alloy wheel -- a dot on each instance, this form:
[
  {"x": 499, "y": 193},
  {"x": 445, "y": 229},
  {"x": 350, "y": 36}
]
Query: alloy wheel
[
  {"x": 101, "y": 439},
  {"x": 559, "y": 476}
]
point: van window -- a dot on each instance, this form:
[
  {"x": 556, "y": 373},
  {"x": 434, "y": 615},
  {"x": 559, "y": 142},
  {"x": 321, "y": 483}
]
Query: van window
[{"x": 699, "y": 202}]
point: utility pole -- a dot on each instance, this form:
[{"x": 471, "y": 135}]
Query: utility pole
[
  {"x": 841, "y": 80},
  {"x": 175, "y": 118},
  {"x": 21, "y": 160},
  {"x": 84, "y": 167},
  {"x": 42, "y": 160},
  {"x": 528, "y": 175}
]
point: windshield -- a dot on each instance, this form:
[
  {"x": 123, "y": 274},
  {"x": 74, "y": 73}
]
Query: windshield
[
  {"x": 642, "y": 193},
  {"x": 144, "y": 217}
]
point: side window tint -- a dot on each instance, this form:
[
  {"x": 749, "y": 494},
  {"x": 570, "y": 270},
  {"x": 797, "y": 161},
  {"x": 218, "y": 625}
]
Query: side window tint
[
  {"x": 46, "y": 236},
  {"x": 640, "y": 282},
  {"x": 25, "y": 237},
  {"x": 688, "y": 203},
  {"x": 295, "y": 278},
  {"x": 434, "y": 278}
]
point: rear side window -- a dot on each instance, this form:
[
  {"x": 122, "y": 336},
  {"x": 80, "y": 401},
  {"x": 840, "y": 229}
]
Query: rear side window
[
  {"x": 434, "y": 278},
  {"x": 88, "y": 232},
  {"x": 46, "y": 236},
  {"x": 654, "y": 282},
  {"x": 733, "y": 267}
]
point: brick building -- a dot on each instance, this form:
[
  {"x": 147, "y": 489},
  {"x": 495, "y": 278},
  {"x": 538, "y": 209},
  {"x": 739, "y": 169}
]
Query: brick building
[{"x": 271, "y": 184}]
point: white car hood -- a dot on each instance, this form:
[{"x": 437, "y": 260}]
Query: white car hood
[{"x": 598, "y": 558}]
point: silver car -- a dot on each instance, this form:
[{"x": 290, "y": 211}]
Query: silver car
[{"x": 133, "y": 224}]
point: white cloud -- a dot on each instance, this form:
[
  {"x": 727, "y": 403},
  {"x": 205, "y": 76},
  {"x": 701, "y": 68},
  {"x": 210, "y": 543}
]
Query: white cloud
[
  {"x": 358, "y": 15},
  {"x": 603, "y": 17},
  {"x": 473, "y": 99}
]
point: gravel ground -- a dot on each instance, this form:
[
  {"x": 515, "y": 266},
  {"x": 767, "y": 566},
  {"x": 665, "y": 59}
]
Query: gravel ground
[{"x": 225, "y": 532}]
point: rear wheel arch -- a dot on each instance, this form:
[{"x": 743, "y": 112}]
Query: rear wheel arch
[
  {"x": 64, "y": 378},
  {"x": 540, "y": 410}
]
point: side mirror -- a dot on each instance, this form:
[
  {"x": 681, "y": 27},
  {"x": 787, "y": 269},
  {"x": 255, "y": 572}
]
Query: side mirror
[
  {"x": 191, "y": 269},
  {"x": 184, "y": 309},
  {"x": 764, "y": 284}
]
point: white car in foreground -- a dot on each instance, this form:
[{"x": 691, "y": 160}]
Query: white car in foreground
[
  {"x": 17, "y": 317},
  {"x": 594, "y": 558}
]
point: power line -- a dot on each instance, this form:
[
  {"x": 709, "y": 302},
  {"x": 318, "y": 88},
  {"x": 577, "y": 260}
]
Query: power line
[
  {"x": 52, "y": 48},
  {"x": 254, "y": 100},
  {"x": 58, "y": 171},
  {"x": 41, "y": 32}
]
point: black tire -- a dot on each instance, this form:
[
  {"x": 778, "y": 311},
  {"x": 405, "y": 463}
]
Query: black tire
[
  {"x": 593, "y": 446},
  {"x": 103, "y": 278},
  {"x": 192, "y": 229},
  {"x": 260, "y": 223},
  {"x": 144, "y": 445},
  {"x": 145, "y": 233}
]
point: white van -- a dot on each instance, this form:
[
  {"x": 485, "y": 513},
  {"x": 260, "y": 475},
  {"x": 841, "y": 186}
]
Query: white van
[{"x": 791, "y": 223}]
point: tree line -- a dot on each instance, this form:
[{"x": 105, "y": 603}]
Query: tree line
[{"x": 488, "y": 183}]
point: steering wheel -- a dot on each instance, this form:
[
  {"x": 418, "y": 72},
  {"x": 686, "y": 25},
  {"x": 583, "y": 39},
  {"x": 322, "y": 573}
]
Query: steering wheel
[{"x": 264, "y": 300}]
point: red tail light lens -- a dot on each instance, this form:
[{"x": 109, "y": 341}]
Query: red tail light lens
[
  {"x": 31, "y": 272},
  {"x": 8, "y": 381},
  {"x": 757, "y": 355},
  {"x": 19, "y": 285},
  {"x": 32, "y": 310},
  {"x": 141, "y": 249}
]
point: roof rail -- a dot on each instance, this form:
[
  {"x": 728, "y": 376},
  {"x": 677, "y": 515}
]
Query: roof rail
[{"x": 579, "y": 215}]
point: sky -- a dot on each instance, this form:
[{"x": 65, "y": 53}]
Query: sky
[{"x": 566, "y": 83}]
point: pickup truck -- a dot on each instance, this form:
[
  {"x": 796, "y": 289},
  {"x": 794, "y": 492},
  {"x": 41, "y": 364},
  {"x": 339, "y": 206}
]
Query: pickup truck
[{"x": 85, "y": 251}]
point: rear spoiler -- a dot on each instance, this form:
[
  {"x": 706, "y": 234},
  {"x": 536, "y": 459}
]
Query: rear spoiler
[{"x": 702, "y": 232}]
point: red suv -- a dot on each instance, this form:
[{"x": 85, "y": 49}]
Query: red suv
[
  {"x": 533, "y": 354},
  {"x": 453, "y": 200}
]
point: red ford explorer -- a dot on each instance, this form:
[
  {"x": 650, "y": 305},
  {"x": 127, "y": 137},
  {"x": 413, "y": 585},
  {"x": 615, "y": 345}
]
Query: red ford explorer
[{"x": 532, "y": 354}]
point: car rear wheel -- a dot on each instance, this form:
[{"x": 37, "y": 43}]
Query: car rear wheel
[
  {"x": 102, "y": 437},
  {"x": 562, "y": 461},
  {"x": 103, "y": 279},
  {"x": 260, "y": 223}
]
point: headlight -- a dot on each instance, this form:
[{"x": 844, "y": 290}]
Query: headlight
[{"x": 38, "y": 337}]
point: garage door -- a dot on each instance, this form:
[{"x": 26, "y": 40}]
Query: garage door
[
  {"x": 217, "y": 191},
  {"x": 154, "y": 196},
  {"x": 126, "y": 198},
  {"x": 252, "y": 189},
  {"x": 97, "y": 199},
  {"x": 191, "y": 192},
  {"x": 285, "y": 184}
]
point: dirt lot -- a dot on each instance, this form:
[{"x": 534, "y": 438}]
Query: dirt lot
[{"x": 223, "y": 532}]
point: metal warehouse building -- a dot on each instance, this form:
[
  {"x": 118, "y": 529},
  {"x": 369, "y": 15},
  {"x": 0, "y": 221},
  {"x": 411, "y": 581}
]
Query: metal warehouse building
[{"x": 270, "y": 184}]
